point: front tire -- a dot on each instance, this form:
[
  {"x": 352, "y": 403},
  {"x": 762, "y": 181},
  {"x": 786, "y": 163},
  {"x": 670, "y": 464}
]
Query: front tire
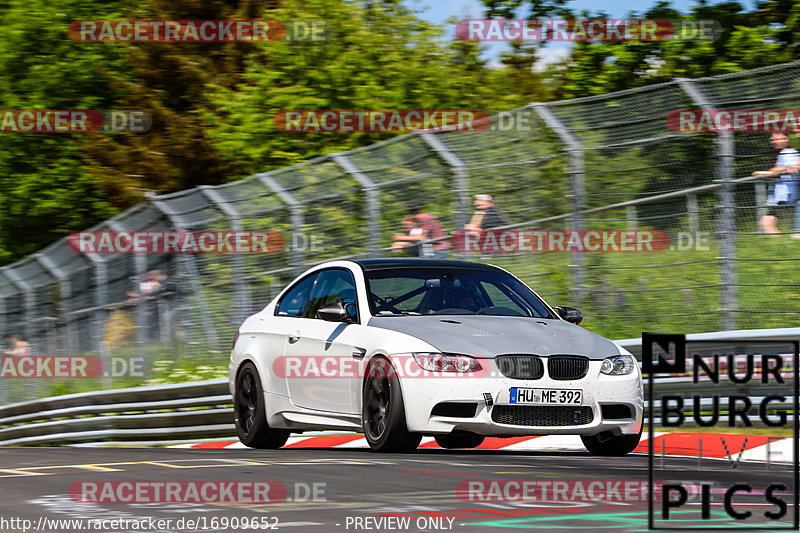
[
  {"x": 612, "y": 447},
  {"x": 383, "y": 413},
  {"x": 459, "y": 440},
  {"x": 250, "y": 412}
]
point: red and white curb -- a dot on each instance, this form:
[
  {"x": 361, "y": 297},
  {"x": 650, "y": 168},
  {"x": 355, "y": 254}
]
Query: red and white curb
[{"x": 759, "y": 448}]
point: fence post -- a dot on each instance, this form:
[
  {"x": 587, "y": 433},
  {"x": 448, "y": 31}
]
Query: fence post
[
  {"x": 576, "y": 172},
  {"x": 101, "y": 302},
  {"x": 372, "y": 191},
  {"x": 726, "y": 223},
  {"x": 730, "y": 302},
  {"x": 693, "y": 210},
  {"x": 761, "y": 201},
  {"x": 30, "y": 302},
  {"x": 460, "y": 176},
  {"x": 239, "y": 284},
  {"x": 296, "y": 213},
  {"x": 142, "y": 318},
  {"x": 3, "y": 326},
  {"x": 190, "y": 270},
  {"x": 630, "y": 215},
  {"x": 65, "y": 292},
  {"x": 30, "y": 308}
]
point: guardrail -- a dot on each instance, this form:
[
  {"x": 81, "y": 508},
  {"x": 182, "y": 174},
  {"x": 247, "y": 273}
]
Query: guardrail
[
  {"x": 169, "y": 412},
  {"x": 204, "y": 409}
]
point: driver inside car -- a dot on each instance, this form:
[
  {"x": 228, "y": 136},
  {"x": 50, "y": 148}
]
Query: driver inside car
[{"x": 462, "y": 299}]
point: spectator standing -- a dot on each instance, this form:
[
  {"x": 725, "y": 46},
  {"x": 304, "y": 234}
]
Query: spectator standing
[
  {"x": 784, "y": 191},
  {"x": 797, "y": 189}
]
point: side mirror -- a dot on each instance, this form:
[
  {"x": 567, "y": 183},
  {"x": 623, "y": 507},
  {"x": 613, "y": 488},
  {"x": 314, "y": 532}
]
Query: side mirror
[
  {"x": 570, "y": 314},
  {"x": 337, "y": 312}
]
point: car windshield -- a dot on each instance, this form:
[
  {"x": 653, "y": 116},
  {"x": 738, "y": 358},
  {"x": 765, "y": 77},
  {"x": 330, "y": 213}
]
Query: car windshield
[{"x": 459, "y": 291}]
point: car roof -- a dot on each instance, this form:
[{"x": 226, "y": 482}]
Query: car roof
[{"x": 411, "y": 262}]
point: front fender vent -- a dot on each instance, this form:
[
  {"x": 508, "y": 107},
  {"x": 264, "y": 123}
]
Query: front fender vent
[{"x": 455, "y": 409}]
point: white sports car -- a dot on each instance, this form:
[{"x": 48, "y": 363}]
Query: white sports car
[{"x": 401, "y": 348}]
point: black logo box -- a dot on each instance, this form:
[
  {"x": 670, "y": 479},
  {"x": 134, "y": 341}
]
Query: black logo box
[{"x": 675, "y": 345}]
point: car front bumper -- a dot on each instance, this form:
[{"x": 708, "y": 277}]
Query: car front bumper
[{"x": 422, "y": 394}]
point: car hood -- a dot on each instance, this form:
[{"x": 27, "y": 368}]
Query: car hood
[{"x": 487, "y": 336}]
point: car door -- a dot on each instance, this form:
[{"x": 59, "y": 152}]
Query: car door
[
  {"x": 283, "y": 327},
  {"x": 321, "y": 352}
]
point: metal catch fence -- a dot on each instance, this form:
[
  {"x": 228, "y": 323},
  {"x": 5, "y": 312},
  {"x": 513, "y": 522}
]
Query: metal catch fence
[{"x": 601, "y": 163}]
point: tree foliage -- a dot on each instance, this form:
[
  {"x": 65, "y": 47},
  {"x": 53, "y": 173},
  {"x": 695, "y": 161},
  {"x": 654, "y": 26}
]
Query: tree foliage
[{"x": 212, "y": 104}]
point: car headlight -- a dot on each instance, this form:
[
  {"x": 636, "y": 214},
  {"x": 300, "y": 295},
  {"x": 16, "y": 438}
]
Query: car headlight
[
  {"x": 446, "y": 362},
  {"x": 618, "y": 365}
]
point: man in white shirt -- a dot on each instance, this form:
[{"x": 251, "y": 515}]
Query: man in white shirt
[{"x": 784, "y": 193}]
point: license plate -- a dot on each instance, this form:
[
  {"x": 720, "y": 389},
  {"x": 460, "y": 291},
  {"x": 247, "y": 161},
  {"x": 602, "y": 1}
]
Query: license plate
[{"x": 546, "y": 396}]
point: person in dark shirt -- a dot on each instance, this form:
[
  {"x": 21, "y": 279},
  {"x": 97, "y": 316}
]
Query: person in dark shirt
[{"x": 486, "y": 216}]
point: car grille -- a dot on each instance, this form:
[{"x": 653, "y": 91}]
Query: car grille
[
  {"x": 542, "y": 415},
  {"x": 520, "y": 366},
  {"x": 563, "y": 367}
]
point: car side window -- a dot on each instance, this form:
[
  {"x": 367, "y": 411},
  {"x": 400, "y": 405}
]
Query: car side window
[
  {"x": 334, "y": 285},
  {"x": 294, "y": 301}
]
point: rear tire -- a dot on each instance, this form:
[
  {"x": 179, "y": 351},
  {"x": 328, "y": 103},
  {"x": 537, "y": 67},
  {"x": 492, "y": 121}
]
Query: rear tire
[
  {"x": 250, "y": 412},
  {"x": 613, "y": 447},
  {"x": 459, "y": 440},
  {"x": 383, "y": 415}
]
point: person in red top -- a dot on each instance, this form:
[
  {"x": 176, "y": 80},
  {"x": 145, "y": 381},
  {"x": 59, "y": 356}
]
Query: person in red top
[
  {"x": 19, "y": 347},
  {"x": 431, "y": 229},
  {"x": 405, "y": 243},
  {"x": 426, "y": 227}
]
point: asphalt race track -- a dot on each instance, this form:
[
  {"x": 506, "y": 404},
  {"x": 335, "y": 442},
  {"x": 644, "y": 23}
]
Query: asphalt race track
[{"x": 356, "y": 490}]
